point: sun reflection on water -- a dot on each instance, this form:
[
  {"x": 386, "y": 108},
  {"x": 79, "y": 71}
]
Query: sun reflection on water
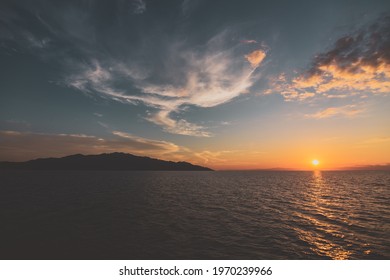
[
  {"x": 325, "y": 237},
  {"x": 317, "y": 178}
]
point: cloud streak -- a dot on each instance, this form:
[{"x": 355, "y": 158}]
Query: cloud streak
[
  {"x": 345, "y": 111},
  {"x": 18, "y": 146},
  {"x": 22, "y": 146},
  {"x": 249, "y": 41}
]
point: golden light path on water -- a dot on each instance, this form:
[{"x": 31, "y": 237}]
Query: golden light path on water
[{"x": 321, "y": 240}]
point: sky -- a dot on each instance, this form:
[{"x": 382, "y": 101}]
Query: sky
[{"x": 224, "y": 84}]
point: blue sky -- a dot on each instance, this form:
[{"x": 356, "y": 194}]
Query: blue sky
[{"x": 228, "y": 84}]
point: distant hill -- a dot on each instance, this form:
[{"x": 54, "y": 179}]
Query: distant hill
[
  {"x": 113, "y": 161},
  {"x": 383, "y": 167}
]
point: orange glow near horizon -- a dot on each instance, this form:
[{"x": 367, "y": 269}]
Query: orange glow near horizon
[
  {"x": 295, "y": 159},
  {"x": 238, "y": 152}
]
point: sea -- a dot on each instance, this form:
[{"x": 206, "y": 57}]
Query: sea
[{"x": 195, "y": 215}]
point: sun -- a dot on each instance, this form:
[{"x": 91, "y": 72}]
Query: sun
[{"x": 315, "y": 162}]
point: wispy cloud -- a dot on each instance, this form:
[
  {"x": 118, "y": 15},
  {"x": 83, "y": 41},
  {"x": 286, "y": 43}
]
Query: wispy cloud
[
  {"x": 35, "y": 42},
  {"x": 27, "y": 145},
  {"x": 140, "y": 144},
  {"x": 210, "y": 156},
  {"x": 165, "y": 73},
  {"x": 209, "y": 77},
  {"x": 181, "y": 126},
  {"x": 248, "y": 41},
  {"x": 377, "y": 140},
  {"x": 21, "y": 146},
  {"x": 346, "y": 111},
  {"x": 139, "y": 6}
]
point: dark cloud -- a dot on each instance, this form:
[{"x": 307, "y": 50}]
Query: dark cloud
[
  {"x": 358, "y": 64},
  {"x": 368, "y": 46}
]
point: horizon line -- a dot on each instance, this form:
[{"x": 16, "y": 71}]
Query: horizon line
[{"x": 368, "y": 167}]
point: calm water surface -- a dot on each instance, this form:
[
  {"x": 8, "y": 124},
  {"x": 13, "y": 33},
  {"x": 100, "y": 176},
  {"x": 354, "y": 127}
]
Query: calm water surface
[{"x": 194, "y": 215}]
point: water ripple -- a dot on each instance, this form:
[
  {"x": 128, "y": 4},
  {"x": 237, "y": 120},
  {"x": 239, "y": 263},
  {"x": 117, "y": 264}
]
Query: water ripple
[{"x": 196, "y": 215}]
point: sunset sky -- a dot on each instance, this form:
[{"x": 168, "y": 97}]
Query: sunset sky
[{"x": 224, "y": 84}]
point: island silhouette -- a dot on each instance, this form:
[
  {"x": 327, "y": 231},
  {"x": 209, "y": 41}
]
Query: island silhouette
[{"x": 111, "y": 161}]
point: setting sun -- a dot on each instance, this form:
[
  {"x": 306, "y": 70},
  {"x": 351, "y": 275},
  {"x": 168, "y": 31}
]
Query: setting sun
[{"x": 315, "y": 162}]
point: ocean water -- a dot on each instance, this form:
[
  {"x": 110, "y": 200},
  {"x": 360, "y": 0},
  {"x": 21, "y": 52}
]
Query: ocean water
[{"x": 194, "y": 215}]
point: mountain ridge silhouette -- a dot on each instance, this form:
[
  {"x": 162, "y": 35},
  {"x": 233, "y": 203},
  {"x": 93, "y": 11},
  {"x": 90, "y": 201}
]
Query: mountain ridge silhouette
[{"x": 105, "y": 161}]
